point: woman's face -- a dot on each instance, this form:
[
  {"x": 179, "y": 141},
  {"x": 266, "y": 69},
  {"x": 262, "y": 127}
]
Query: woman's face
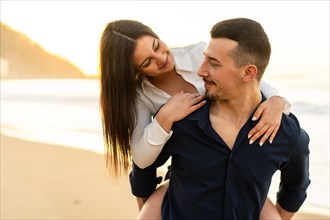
[{"x": 152, "y": 57}]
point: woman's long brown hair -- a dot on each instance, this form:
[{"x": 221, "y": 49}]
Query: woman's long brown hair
[{"x": 119, "y": 83}]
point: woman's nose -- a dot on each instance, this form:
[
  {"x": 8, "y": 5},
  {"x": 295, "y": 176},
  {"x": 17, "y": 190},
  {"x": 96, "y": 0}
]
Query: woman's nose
[{"x": 160, "y": 58}]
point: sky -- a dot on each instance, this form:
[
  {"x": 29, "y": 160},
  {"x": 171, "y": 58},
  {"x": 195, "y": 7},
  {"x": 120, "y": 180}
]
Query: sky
[{"x": 298, "y": 30}]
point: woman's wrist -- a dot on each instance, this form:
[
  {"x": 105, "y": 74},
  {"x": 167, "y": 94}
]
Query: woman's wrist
[{"x": 164, "y": 121}]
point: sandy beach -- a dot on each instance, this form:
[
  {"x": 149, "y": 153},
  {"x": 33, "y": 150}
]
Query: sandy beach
[{"x": 43, "y": 181}]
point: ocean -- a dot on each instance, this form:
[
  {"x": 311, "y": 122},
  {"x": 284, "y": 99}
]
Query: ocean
[{"x": 67, "y": 112}]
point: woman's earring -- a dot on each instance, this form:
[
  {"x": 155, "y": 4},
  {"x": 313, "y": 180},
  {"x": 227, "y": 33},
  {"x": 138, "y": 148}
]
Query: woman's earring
[{"x": 137, "y": 75}]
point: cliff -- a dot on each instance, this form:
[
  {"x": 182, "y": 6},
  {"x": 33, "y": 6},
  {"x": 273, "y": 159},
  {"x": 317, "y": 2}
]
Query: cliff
[{"x": 23, "y": 58}]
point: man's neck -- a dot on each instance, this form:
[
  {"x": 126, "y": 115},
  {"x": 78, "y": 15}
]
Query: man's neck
[
  {"x": 229, "y": 116},
  {"x": 241, "y": 106}
]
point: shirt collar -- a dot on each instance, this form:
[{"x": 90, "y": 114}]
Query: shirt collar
[
  {"x": 182, "y": 62},
  {"x": 203, "y": 120},
  {"x": 203, "y": 113}
]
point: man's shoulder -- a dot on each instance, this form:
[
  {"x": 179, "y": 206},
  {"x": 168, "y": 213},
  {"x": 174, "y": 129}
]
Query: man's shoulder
[
  {"x": 200, "y": 114},
  {"x": 290, "y": 123},
  {"x": 291, "y": 130}
]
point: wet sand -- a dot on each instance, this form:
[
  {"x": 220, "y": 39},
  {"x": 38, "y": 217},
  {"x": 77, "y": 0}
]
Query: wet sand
[{"x": 44, "y": 181}]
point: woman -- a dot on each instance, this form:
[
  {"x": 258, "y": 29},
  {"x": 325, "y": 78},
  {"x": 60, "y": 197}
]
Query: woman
[{"x": 140, "y": 76}]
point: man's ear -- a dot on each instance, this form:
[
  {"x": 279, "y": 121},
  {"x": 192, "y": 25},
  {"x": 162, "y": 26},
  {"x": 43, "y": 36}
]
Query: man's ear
[{"x": 250, "y": 72}]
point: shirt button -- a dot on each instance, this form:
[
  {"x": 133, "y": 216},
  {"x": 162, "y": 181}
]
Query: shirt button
[
  {"x": 228, "y": 208},
  {"x": 229, "y": 181}
]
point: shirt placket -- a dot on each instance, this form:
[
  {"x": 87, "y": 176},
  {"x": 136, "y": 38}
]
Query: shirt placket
[{"x": 228, "y": 205}]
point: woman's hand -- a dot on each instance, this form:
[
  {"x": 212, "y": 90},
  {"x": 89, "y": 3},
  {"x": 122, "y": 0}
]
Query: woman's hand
[
  {"x": 178, "y": 107},
  {"x": 271, "y": 114}
]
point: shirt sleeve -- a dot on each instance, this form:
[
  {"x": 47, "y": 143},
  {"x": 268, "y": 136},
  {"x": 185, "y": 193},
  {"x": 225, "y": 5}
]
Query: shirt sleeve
[
  {"x": 148, "y": 138},
  {"x": 144, "y": 181},
  {"x": 269, "y": 91},
  {"x": 295, "y": 176}
]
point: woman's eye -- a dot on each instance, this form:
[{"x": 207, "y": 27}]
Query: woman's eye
[
  {"x": 146, "y": 64},
  {"x": 157, "y": 46}
]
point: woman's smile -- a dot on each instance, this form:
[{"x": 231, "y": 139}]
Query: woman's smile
[{"x": 164, "y": 65}]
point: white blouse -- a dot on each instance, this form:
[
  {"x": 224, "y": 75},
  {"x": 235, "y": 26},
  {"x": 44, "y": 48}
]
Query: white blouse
[{"x": 148, "y": 137}]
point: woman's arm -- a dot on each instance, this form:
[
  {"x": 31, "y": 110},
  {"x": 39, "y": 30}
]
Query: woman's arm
[
  {"x": 270, "y": 91},
  {"x": 270, "y": 114},
  {"x": 150, "y": 136}
]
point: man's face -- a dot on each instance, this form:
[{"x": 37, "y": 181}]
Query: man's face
[{"x": 220, "y": 75}]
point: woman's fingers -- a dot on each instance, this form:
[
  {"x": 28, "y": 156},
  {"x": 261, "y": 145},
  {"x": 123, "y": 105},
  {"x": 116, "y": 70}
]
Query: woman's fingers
[
  {"x": 197, "y": 98},
  {"x": 266, "y": 131},
  {"x": 259, "y": 129},
  {"x": 270, "y": 114},
  {"x": 197, "y": 106},
  {"x": 258, "y": 112},
  {"x": 271, "y": 139}
]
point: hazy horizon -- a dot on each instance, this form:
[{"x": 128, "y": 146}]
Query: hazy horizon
[{"x": 298, "y": 30}]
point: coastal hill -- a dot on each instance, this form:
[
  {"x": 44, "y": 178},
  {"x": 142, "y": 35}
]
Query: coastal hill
[{"x": 23, "y": 58}]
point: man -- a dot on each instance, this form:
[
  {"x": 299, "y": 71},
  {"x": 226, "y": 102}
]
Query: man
[{"x": 216, "y": 173}]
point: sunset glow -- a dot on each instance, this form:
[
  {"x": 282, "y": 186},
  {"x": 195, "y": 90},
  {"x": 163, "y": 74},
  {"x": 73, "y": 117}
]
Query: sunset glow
[{"x": 298, "y": 30}]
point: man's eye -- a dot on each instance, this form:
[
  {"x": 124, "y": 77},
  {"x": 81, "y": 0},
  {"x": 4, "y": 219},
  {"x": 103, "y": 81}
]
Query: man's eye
[{"x": 214, "y": 64}]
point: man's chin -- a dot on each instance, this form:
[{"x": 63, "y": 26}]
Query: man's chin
[{"x": 211, "y": 96}]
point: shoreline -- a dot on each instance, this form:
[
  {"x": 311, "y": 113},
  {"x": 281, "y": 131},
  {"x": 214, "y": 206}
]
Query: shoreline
[{"x": 47, "y": 181}]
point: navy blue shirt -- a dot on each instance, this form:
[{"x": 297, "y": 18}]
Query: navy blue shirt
[{"x": 209, "y": 180}]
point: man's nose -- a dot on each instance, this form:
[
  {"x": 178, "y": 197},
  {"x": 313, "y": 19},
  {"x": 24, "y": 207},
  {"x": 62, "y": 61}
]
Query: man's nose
[{"x": 202, "y": 70}]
